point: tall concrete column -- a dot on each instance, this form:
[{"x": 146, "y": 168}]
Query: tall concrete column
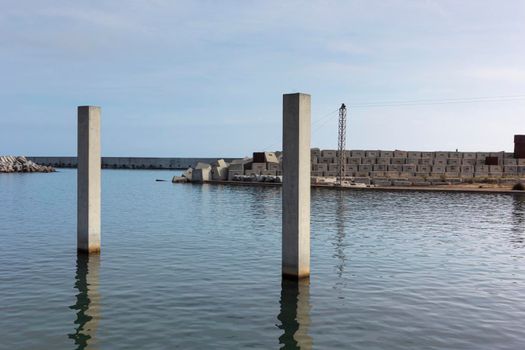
[
  {"x": 88, "y": 180},
  {"x": 296, "y": 186}
]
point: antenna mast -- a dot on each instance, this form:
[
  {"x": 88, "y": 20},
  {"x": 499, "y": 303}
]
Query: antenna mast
[{"x": 341, "y": 145}]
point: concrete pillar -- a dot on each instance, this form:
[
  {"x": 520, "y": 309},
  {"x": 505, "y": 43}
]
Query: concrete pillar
[
  {"x": 88, "y": 180},
  {"x": 296, "y": 186}
]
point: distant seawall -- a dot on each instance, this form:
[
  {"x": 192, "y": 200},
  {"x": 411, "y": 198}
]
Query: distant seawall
[{"x": 127, "y": 162}]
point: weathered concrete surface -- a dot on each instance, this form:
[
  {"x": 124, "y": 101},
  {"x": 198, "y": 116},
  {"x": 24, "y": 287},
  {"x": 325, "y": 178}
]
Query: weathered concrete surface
[
  {"x": 296, "y": 186},
  {"x": 88, "y": 180}
]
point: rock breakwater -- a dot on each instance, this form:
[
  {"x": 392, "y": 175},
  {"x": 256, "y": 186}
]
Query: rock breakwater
[{"x": 20, "y": 164}]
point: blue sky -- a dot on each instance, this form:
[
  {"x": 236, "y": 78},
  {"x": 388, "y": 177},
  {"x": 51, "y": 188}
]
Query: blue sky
[{"x": 206, "y": 78}]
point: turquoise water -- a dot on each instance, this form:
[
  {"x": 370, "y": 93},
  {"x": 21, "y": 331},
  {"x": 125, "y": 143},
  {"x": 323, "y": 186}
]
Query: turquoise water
[{"x": 198, "y": 267}]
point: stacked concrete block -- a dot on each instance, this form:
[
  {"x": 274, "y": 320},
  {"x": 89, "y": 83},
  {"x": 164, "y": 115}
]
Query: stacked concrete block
[
  {"x": 316, "y": 173},
  {"x": 326, "y": 160},
  {"x": 455, "y": 155},
  {"x": 353, "y": 168},
  {"x": 320, "y": 167},
  {"x": 330, "y": 173},
  {"x": 371, "y": 154},
  {"x": 357, "y": 153},
  {"x": 333, "y": 167},
  {"x": 219, "y": 173},
  {"x": 386, "y": 154},
  {"x": 467, "y": 170},
  {"x": 409, "y": 168},
  {"x": 380, "y": 167},
  {"x": 315, "y": 152},
  {"x": 481, "y": 170},
  {"x": 495, "y": 170},
  {"x": 510, "y": 161},
  {"x": 400, "y": 154},
  {"x": 427, "y": 154},
  {"x": 258, "y": 167},
  {"x": 398, "y": 160},
  {"x": 201, "y": 174},
  {"x": 508, "y": 154},
  {"x": 454, "y": 161},
  {"x": 441, "y": 155},
  {"x": 382, "y": 182},
  {"x": 275, "y": 166},
  {"x": 411, "y": 160},
  {"x": 469, "y": 161},
  {"x": 452, "y": 168},
  {"x": 521, "y": 171},
  {"x": 329, "y": 153},
  {"x": 313, "y": 160},
  {"x": 521, "y": 161},
  {"x": 353, "y": 160},
  {"x": 438, "y": 169},
  {"x": 482, "y": 155},
  {"x": 269, "y": 172},
  {"x": 395, "y": 167},
  {"x": 392, "y": 174},
  {"x": 368, "y": 161},
  {"x": 440, "y": 161},
  {"x": 364, "y": 168},
  {"x": 233, "y": 173},
  {"x": 385, "y": 161},
  {"x": 426, "y": 161},
  {"x": 377, "y": 174},
  {"x": 510, "y": 169},
  {"x": 469, "y": 155},
  {"x": 411, "y": 154},
  {"x": 424, "y": 168}
]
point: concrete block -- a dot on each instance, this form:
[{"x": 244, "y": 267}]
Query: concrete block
[
  {"x": 452, "y": 168},
  {"x": 422, "y": 175},
  {"x": 218, "y": 173},
  {"x": 412, "y": 154},
  {"x": 392, "y": 174},
  {"x": 469, "y": 155},
  {"x": 379, "y": 167},
  {"x": 333, "y": 167},
  {"x": 252, "y": 172},
  {"x": 398, "y": 161},
  {"x": 330, "y": 173},
  {"x": 316, "y": 173},
  {"x": 402, "y": 183},
  {"x": 352, "y": 167},
  {"x": 510, "y": 169},
  {"x": 508, "y": 154},
  {"x": 275, "y": 166},
  {"x": 521, "y": 161},
  {"x": 364, "y": 168},
  {"x": 233, "y": 173},
  {"x": 466, "y": 169},
  {"x": 455, "y": 155},
  {"x": 510, "y": 161},
  {"x": 357, "y": 153},
  {"x": 521, "y": 169},
  {"x": 201, "y": 175},
  {"x": 404, "y": 175},
  {"x": 346, "y": 153},
  {"x": 427, "y": 154},
  {"x": 376, "y": 174},
  {"x": 313, "y": 160},
  {"x": 329, "y": 153},
  {"x": 327, "y": 160},
  {"x": 426, "y": 161},
  {"x": 440, "y": 161},
  {"x": 438, "y": 169},
  {"x": 353, "y": 160},
  {"x": 441, "y": 155},
  {"x": 221, "y": 163},
  {"x": 362, "y": 174},
  {"x": 451, "y": 174},
  {"x": 414, "y": 161},
  {"x": 495, "y": 169},
  {"x": 368, "y": 160},
  {"x": 481, "y": 169},
  {"x": 362, "y": 180},
  {"x": 201, "y": 165},
  {"x": 468, "y": 161},
  {"x": 259, "y": 166},
  {"x": 315, "y": 152},
  {"x": 371, "y": 154},
  {"x": 424, "y": 168},
  {"x": 383, "y": 160},
  {"x": 482, "y": 155},
  {"x": 382, "y": 182},
  {"x": 269, "y": 172},
  {"x": 386, "y": 154},
  {"x": 409, "y": 168},
  {"x": 88, "y": 179},
  {"x": 454, "y": 161},
  {"x": 320, "y": 167},
  {"x": 500, "y": 155},
  {"x": 395, "y": 167},
  {"x": 400, "y": 154}
]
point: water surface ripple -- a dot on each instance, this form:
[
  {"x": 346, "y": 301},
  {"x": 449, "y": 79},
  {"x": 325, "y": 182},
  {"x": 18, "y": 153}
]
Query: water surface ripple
[{"x": 198, "y": 267}]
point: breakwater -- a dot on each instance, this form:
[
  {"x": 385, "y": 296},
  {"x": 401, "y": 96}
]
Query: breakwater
[{"x": 127, "y": 162}]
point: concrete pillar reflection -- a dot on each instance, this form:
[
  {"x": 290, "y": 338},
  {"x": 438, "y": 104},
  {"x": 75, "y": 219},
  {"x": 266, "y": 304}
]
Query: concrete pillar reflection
[
  {"x": 295, "y": 314},
  {"x": 87, "y": 302}
]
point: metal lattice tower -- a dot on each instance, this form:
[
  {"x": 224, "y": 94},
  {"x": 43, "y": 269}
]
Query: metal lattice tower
[{"x": 341, "y": 144}]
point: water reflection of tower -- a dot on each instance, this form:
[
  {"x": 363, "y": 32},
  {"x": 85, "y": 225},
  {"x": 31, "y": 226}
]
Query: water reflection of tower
[
  {"x": 518, "y": 221},
  {"x": 340, "y": 235},
  {"x": 295, "y": 314},
  {"x": 88, "y": 301}
]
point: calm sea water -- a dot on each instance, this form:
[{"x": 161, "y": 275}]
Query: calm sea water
[{"x": 198, "y": 267}]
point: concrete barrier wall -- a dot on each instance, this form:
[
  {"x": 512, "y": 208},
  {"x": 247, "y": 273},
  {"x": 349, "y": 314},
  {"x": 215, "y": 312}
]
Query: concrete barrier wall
[{"x": 128, "y": 162}]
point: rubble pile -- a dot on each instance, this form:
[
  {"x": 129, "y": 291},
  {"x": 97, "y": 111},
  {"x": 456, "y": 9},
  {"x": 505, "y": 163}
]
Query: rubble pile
[{"x": 12, "y": 164}]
